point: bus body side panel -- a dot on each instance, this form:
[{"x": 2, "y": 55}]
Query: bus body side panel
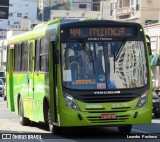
[
  {"x": 18, "y": 84},
  {"x": 9, "y": 92},
  {"x": 39, "y": 93},
  {"x": 20, "y": 87},
  {"x": 9, "y": 83}
]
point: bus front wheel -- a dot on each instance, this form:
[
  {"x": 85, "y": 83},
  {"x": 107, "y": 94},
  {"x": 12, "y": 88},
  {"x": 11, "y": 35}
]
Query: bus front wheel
[
  {"x": 23, "y": 120},
  {"x": 125, "y": 130},
  {"x": 52, "y": 128}
]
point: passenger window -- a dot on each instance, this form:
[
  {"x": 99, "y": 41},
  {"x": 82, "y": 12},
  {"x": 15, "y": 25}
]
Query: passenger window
[
  {"x": 17, "y": 57},
  {"x": 36, "y": 61},
  {"x": 31, "y": 56},
  {"x": 44, "y": 56},
  {"x": 24, "y": 56}
]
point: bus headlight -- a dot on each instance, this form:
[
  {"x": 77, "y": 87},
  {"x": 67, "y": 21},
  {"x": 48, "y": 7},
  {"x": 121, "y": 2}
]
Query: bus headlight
[
  {"x": 143, "y": 100},
  {"x": 70, "y": 102}
]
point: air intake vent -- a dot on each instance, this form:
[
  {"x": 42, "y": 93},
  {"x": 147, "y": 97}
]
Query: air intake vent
[
  {"x": 92, "y": 98},
  {"x": 97, "y": 119}
]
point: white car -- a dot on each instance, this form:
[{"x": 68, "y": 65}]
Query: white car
[{"x": 1, "y": 87}]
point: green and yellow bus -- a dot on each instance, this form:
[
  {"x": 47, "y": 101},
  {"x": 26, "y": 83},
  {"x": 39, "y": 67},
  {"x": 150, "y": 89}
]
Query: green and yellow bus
[{"x": 80, "y": 73}]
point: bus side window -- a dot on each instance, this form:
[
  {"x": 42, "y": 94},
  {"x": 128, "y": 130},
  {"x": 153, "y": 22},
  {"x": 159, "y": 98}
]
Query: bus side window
[
  {"x": 24, "y": 66},
  {"x": 36, "y": 61},
  {"x": 17, "y": 57},
  {"x": 30, "y": 56},
  {"x": 44, "y": 56}
]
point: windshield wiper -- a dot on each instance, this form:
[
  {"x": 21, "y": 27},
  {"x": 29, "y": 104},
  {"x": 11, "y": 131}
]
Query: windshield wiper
[
  {"x": 114, "y": 60},
  {"x": 118, "y": 53},
  {"x": 88, "y": 51},
  {"x": 120, "y": 49}
]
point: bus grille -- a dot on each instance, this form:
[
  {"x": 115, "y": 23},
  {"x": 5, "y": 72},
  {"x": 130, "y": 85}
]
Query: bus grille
[
  {"x": 97, "y": 119},
  {"x": 106, "y": 98}
]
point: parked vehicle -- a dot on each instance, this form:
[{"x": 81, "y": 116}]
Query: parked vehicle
[
  {"x": 4, "y": 94},
  {"x": 1, "y": 87},
  {"x": 158, "y": 92},
  {"x": 3, "y": 76},
  {"x": 156, "y": 104}
]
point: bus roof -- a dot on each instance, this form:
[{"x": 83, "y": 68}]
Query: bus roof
[
  {"x": 44, "y": 29},
  {"x": 38, "y": 31}
]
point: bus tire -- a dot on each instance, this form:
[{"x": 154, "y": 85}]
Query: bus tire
[
  {"x": 52, "y": 128},
  {"x": 125, "y": 130},
  {"x": 23, "y": 120}
]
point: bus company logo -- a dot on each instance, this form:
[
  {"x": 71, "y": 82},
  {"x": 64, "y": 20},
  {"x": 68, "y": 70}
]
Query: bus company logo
[{"x": 107, "y": 92}]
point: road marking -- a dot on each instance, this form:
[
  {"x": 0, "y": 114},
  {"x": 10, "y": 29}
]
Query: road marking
[
  {"x": 40, "y": 140},
  {"x": 10, "y": 128},
  {"x": 139, "y": 131},
  {"x": 144, "y": 132}
]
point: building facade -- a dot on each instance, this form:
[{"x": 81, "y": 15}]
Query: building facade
[
  {"x": 17, "y": 10},
  {"x": 46, "y": 3},
  {"x": 49, "y": 3},
  {"x": 142, "y": 11},
  {"x": 3, "y": 48},
  {"x": 98, "y": 9},
  {"x": 74, "y": 14},
  {"x": 88, "y": 5},
  {"x": 79, "y": 5}
]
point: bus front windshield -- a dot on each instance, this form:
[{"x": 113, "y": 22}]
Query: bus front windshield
[{"x": 104, "y": 65}]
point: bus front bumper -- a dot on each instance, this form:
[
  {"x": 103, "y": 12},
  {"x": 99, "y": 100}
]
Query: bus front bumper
[{"x": 69, "y": 117}]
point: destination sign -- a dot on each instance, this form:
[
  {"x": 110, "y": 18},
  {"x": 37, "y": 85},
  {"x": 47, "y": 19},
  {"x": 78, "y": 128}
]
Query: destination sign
[{"x": 101, "y": 32}]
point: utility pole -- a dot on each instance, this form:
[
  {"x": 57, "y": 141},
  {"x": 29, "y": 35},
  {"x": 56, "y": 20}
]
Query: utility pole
[
  {"x": 42, "y": 9},
  {"x": 102, "y": 9},
  {"x": 2, "y": 50}
]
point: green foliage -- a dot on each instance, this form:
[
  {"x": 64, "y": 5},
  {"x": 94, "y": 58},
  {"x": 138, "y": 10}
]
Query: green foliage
[
  {"x": 47, "y": 11},
  {"x": 64, "y": 6}
]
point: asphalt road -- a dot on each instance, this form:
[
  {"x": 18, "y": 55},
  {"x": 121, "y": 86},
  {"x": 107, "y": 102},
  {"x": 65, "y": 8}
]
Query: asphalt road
[{"x": 9, "y": 123}]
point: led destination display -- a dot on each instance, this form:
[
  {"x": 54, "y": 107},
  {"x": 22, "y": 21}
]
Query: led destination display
[{"x": 101, "y": 32}]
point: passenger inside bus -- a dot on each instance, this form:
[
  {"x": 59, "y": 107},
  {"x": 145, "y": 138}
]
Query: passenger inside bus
[
  {"x": 79, "y": 64},
  {"x": 73, "y": 64}
]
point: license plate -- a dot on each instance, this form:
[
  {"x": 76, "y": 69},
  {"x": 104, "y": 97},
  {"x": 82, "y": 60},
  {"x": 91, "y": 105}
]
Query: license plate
[{"x": 108, "y": 116}]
